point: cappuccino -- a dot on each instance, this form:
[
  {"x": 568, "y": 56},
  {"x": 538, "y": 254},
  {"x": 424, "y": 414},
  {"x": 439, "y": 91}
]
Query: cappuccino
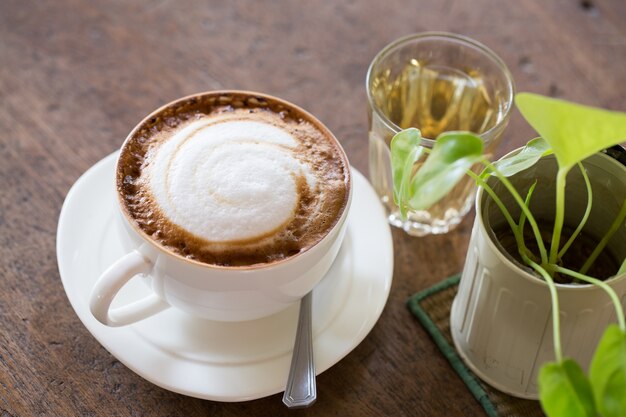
[{"x": 233, "y": 179}]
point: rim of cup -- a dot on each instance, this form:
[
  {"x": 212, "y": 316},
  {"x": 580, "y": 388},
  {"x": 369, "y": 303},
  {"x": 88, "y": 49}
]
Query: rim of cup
[{"x": 299, "y": 111}]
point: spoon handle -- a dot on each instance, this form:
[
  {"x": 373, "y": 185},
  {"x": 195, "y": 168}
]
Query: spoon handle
[{"x": 301, "y": 390}]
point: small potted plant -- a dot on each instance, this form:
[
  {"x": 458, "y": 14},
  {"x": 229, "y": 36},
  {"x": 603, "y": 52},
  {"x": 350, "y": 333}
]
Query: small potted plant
[{"x": 545, "y": 273}]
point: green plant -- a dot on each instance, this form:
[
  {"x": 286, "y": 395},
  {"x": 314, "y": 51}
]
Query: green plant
[{"x": 572, "y": 133}]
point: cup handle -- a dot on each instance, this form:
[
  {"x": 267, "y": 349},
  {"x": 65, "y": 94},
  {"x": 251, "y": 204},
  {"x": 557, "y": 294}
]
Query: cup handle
[{"x": 111, "y": 282}]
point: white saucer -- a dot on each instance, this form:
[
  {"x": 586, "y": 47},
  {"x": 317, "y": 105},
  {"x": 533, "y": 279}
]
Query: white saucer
[{"x": 214, "y": 360}]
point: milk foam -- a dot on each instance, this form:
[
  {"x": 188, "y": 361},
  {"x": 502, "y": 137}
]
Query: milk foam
[{"x": 228, "y": 180}]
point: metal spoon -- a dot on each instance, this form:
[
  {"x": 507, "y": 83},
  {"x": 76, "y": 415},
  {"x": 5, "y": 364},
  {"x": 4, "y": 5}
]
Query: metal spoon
[{"x": 301, "y": 391}]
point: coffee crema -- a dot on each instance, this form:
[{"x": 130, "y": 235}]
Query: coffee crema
[{"x": 233, "y": 181}]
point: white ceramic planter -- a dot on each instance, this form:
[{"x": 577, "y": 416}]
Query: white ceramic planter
[{"x": 501, "y": 317}]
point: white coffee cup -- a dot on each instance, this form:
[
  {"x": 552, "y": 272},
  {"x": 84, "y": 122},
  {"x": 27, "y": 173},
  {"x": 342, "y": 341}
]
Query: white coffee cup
[{"x": 222, "y": 293}]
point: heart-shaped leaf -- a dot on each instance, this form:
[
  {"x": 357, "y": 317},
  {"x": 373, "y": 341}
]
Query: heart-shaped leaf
[
  {"x": 453, "y": 154},
  {"x": 527, "y": 157},
  {"x": 608, "y": 373},
  {"x": 573, "y": 131},
  {"x": 564, "y": 390},
  {"x": 405, "y": 151}
]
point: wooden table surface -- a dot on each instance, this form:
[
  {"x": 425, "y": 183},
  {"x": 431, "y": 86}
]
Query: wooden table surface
[{"x": 76, "y": 76}]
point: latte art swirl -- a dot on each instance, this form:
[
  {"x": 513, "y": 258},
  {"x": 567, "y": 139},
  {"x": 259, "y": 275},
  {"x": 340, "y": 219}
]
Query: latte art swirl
[
  {"x": 226, "y": 184},
  {"x": 228, "y": 181}
]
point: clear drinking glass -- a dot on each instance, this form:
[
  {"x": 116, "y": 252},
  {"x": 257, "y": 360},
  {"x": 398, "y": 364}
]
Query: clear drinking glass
[{"x": 436, "y": 82}]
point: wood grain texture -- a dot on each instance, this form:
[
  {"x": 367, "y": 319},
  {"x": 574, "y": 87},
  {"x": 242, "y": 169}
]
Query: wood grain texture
[{"x": 76, "y": 76}]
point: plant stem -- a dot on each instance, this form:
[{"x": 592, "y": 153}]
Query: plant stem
[
  {"x": 618, "y": 306},
  {"x": 622, "y": 268},
  {"x": 526, "y": 210},
  {"x": 583, "y": 221},
  {"x": 559, "y": 214},
  {"x": 609, "y": 234},
  {"x": 498, "y": 202},
  {"x": 556, "y": 325},
  {"x": 403, "y": 196},
  {"x": 522, "y": 218}
]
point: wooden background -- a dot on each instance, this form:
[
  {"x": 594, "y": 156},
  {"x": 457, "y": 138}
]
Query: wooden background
[{"x": 76, "y": 76}]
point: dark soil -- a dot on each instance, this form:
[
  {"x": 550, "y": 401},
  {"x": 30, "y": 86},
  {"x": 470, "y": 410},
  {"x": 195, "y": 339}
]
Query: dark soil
[{"x": 604, "y": 267}]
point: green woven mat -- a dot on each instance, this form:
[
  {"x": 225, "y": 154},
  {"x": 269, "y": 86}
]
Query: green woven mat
[{"x": 432, "y": 308}]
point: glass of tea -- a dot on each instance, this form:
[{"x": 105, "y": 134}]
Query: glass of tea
[{"x": 435, "y": 82}]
